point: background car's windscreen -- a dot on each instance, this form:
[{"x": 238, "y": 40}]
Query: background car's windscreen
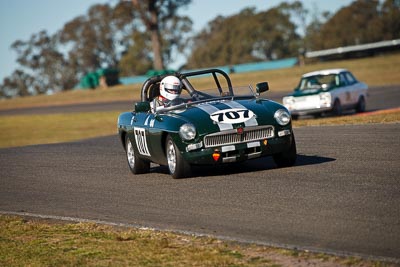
[{"x": 319, "y": 81}]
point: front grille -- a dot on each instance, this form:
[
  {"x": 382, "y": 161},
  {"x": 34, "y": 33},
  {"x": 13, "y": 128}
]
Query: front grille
[{"x": 231, "y": 137}]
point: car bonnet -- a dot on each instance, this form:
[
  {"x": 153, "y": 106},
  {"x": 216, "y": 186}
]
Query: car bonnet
[{"x": 228, "y": 114}]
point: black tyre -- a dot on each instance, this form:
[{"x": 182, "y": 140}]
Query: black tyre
[
  {"x": 317, "y": 115},
  {"x": 177, "y": 165},
  {"x": 337, "y": 108},
  {"x": 287, "y": 158},
  {"x": 136, "y": 165},
  {"x": 361, "y": 105}
]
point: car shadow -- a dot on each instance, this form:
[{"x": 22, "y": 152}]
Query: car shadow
[
  {"x": 303, "y": 160},
  {"x": 260, "y": 164}
]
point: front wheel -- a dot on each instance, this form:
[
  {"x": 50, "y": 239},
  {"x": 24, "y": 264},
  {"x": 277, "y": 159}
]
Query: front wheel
[
  {"x": 287, "y": 158},
  {"x": 337, "y": 108},
  {"x": 136, "y": 165},
  {"x": 361, "y": 105},
  {"x": 177, "y": 165}
]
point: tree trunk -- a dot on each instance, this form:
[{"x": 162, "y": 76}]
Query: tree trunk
[
  {"x": 150, "y": 20},
  {"x": 158, "y": 63}
]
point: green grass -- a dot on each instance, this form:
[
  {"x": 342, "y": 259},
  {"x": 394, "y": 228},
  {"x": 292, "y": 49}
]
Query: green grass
[{"x": 31, "y": 242}]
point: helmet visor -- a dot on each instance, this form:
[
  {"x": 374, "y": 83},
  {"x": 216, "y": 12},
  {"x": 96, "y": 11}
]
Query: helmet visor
[{"x": 172, "y": 88}]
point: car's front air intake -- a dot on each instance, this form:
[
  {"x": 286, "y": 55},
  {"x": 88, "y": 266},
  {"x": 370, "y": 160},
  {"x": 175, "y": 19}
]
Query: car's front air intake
[{"x": 236, "y": 136}]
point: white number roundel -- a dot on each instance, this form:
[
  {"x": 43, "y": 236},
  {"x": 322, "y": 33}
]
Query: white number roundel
[{"x": 231, "y": 116}]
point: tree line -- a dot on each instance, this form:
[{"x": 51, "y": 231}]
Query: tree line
[{"x": 139, "y": 35}]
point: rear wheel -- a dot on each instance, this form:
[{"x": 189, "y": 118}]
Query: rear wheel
[
  {"x": 136, "y": 165},
  {"x": 177, "y": 165},
  {"x": 287, "y": 158}
]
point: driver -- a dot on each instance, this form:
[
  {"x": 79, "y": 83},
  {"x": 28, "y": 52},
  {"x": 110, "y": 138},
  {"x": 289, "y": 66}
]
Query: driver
[{"x": 170, "y": 89}]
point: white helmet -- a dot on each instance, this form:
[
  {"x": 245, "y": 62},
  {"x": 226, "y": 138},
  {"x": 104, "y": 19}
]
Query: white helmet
[{"x": 170, "y": 87}]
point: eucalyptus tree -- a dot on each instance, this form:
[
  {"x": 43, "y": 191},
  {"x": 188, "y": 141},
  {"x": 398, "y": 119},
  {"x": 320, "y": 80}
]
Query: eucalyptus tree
[
  {"x": 245, "y": 37},
  {"x": 17, "y": 84},
  {"x": 96, "y": 40},
  {"x": 360, "y": 22},
  {"x": 163, "y": 25},
  {"x": 390, "y": 13},
  {"x": 42, "y": 64}
]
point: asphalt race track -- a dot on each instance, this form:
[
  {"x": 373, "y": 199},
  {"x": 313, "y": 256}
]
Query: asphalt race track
[{"x": 342, "y": 196}]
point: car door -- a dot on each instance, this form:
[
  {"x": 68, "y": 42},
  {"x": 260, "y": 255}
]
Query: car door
[
  {"x": 344, "y": 90},
  {"x": 141, "y": 133},
  {"x": 153, "y": 127},
  {"x": 353, "y": 88}
]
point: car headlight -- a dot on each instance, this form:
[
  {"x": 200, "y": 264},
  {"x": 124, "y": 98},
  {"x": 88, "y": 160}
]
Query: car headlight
[
  {"x": 288, "y": 100},
  {"x": 282, "y": 117},
  {"x": 325, "y": 99},
  {"x": 187, "y": 131}
]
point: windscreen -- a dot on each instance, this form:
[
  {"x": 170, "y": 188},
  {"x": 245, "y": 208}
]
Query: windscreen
[{"x": 319, "y": 81}]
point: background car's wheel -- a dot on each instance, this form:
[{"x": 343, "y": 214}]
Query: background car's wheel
[
  {"x": 337, "y": 108},
  {"x": 295, "y": 117},
  {"x": 361, "y": 104},
  {"x": 287, "y": 158},
  {"x": 136, "y": 165},
  {"x": 177, "y": 165},
  {"x": 317, "y": 115}
]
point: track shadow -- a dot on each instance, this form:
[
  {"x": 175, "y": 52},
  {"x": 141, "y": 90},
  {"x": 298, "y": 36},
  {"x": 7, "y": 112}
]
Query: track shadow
[
  {"x": 260, "y": 164},
  {"x": 303, "y": 160}
]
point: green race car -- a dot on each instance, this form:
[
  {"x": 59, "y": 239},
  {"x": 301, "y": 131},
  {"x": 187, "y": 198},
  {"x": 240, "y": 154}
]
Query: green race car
[{"x": 205, "y": 126}]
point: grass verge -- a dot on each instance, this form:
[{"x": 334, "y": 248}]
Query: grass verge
[
  {"x": 21, "y": 130},
  {"x": 382, "y": 116},
  {"x": 32, "y": 242}
]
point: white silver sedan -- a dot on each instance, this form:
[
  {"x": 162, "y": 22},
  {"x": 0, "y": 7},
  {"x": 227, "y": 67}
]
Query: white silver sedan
[{"x": 327, "y": 91}]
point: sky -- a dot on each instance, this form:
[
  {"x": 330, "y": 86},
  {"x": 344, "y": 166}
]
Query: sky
[{"x": 19, "y": 19}]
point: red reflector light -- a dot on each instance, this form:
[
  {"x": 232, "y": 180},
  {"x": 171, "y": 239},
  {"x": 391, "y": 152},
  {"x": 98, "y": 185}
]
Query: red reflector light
[{"x": 216, "y": 156}]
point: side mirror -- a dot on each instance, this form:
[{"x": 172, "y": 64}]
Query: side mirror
[
  {"x": 142, "y": 107},
  {"x": 262, "y": 87}
]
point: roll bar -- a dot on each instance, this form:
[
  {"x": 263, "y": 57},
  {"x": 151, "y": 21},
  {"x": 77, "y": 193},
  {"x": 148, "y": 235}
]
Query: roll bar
[{"x": 183, "y": 77}]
